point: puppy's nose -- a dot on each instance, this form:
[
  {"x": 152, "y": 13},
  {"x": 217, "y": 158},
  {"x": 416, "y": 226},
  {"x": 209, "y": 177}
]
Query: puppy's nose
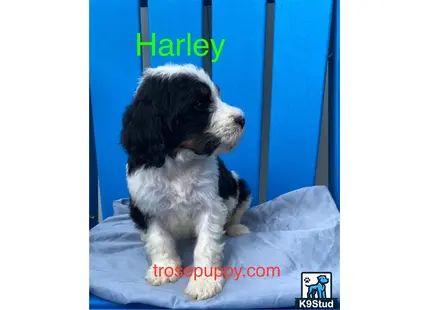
[{"x": 240, "y": 120}]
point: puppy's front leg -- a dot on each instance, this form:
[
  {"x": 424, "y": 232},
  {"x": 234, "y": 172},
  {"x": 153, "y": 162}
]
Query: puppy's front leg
[
  {"x": 208, "y": 255},
  {"x": 160, "y": 246}
]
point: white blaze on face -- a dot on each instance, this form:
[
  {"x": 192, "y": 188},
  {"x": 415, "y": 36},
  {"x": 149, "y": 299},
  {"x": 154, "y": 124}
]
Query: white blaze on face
[{"x": 223, "y": 126}]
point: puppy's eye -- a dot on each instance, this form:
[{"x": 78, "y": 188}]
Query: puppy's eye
[{"x": 199, "y": 106}]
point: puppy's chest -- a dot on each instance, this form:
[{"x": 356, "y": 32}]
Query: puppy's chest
[
  {"x": 186, "y": 187},
  {"x": 175, "y": 188}
]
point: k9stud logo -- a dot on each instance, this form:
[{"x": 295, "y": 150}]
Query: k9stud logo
[{"x": 316, "y": 291}]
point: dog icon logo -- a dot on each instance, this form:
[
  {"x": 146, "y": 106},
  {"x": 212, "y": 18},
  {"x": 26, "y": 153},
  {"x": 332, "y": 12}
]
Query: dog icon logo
[{"x": 316, "y": 291}]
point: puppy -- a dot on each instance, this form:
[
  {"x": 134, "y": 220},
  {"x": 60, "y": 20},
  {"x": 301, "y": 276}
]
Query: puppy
[{"x": 173, "y": 132}]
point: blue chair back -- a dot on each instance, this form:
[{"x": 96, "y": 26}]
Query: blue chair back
[{"x": 276, "y": 76}]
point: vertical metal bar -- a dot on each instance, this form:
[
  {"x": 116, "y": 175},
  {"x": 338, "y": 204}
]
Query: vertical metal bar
[
  {"x": 334, "y": 108},
  {"x": 267, "y": 92}
]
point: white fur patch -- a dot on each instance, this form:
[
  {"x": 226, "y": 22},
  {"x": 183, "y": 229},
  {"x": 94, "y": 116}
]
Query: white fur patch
[
  {"x": 157, "y": 275},
  {"x": 203, "y": 287}
]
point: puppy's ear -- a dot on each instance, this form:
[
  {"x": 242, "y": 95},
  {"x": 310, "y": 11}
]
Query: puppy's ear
[{"x": 142, "y": 131}]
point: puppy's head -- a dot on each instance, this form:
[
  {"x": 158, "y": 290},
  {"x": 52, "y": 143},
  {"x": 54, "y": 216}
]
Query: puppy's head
[
  {"x": 178, "y": 107},
  {"x": 323, "y": 279}
]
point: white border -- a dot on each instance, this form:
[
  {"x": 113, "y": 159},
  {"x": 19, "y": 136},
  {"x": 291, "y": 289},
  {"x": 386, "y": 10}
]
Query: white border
[
  {"x": 44, "y": 154},
  {"x": 385, "y": 158},
  {"x": 384, "y": 154}
]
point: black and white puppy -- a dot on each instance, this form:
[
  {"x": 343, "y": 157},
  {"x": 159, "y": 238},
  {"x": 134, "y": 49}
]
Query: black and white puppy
[{"x": 173, "y": 132}]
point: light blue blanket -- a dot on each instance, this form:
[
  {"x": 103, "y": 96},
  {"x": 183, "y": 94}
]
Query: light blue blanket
[{"x": 297, "y": 232}]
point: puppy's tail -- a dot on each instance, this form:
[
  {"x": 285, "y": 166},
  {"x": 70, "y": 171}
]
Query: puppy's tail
[{"x": 236, "y": 230}]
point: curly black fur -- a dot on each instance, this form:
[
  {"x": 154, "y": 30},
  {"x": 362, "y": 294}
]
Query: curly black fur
[{"x": 164, "y": 113}]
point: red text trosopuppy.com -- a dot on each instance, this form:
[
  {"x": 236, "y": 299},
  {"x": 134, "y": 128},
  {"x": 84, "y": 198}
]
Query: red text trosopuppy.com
[{"x": 217, "y": 272}]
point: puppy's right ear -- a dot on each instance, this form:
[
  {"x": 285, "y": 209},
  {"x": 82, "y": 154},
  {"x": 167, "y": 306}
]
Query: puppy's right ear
[{"x": 142, "y": 132}]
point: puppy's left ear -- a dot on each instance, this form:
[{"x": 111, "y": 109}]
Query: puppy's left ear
[{"x": 142, "y": 128}]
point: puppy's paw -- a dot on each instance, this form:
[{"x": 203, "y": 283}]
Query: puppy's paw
[
  {"x": 237, "y": 230},
  {"x": 203, "y": 287},
  {"x": 162, "y": 272}
]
